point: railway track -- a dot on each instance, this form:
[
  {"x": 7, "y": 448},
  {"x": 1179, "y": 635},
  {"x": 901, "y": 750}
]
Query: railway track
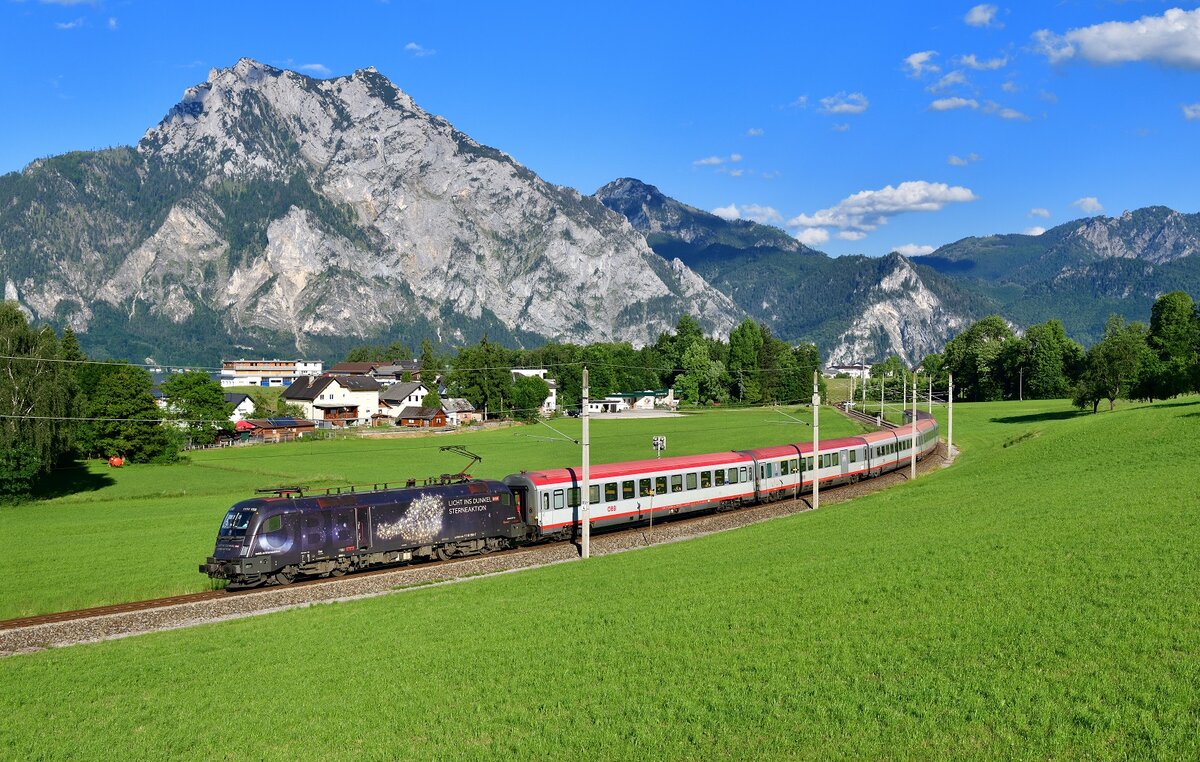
[
  {"x": 677, "y": 526},
  {"x": 869, "y": 420}
]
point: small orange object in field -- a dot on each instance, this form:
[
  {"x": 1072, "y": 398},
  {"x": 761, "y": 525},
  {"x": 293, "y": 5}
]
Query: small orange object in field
[{"x": 116, "y": 461}]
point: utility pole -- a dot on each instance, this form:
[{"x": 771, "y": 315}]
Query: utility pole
[
  {"x": 585, "y": 490},
  {"x": 1021, "y": 384},
  {"x": 950, "y": 417},
  {"x": 816, "y": 404},
  {"x": 931, "y": 394},
  {"x": 865, "y": 375},
  {"x": 912, "y": 448},
  {"x": 882, "y": 382}
]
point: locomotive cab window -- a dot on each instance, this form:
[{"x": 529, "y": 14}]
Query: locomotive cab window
[{"x": 273, "y": 524}]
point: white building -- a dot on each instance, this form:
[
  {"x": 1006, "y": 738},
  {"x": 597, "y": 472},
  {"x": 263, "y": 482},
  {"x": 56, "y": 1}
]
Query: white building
[
  {"x": 401, "y": 395},
  {"x": 267, "y": 372},
  {"x": 243, "y": 406},
  {"x": 857, "y": 370},
  {"x": 550, "y": 404},
  {"x": 648, "y": 399},
  {"x": 336, "y": 401}
]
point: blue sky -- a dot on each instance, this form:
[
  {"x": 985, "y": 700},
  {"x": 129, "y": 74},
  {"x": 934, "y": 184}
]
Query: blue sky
[{"x": 858, "y": 128}]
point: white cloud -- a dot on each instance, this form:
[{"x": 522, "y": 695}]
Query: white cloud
[
  {"x": 1048, "y": 96},
  {"x": 867, "y": 210},
  {"x": 982, "y": 15},
  {"x": 754, "y": 132},
  {"x": 914, "y": 249},
  {"x": 69, "y": 24},
  {"x": 727, "y": 212},
  {"x": 1191, "y": 112},
  {"x": 949, "y": 104},
  {"x": 991, "y": 107},
  {"x": 1035, "y": 230},
  {"x": 951, "y": 79},
  {"x": 1039, "y": 211},
  {"x": 765, "y": 214},
  {"x": 813, "y": 236},
  {"x": 112, "y": 23},
  {"x": 851, "y": 235},
  {"x": 1089, "y": 204},
  {"x": 972, "y": 62},
  {"x": 962, "y": 161},
  {"x": 845, "y": 103},
  {"x": 1010, "y": 87},
  {"x": 1172, "y": 39},
  {"x": 801, "y": 102},
  {"x": 841, "y": 126},
  {"x": 716, "y": 161},
  {"x": 315, "y": 68},
  {"x": 418, "y": 50},
  {"x": 919, "y": 63},
  {"x": 732, "y": 172}
]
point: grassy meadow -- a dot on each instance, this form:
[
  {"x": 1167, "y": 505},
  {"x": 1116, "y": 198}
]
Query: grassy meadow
[
  {"x": 139, "y": 532},
  {"x": 1036, "y": 600}
]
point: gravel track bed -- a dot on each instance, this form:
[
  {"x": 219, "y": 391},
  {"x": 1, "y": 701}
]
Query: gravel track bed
[{"x": 111, "y": 626}]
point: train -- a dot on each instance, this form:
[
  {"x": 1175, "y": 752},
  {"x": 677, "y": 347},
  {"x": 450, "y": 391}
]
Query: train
[{"x": 292, "y": 532}]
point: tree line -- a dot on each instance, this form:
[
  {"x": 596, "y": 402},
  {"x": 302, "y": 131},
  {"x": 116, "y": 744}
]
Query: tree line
[
  {"x": 1131, "y": 361},
  {"x": 751, "y": 367}
]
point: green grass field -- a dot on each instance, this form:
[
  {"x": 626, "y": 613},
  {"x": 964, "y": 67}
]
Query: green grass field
[
  {"x": 1036, "y": 600},
  {"x": 140, "y": 531}
]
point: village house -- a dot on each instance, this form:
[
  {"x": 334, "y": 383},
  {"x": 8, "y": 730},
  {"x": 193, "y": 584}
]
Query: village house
[
  {"x": 276, "y": 429},
  {"x": 649, "y": 399},
  {"x": 336, "y": 401},
  {"x": 396, "y": 371},
  {"x": 401, "y": 395},
  {"x": 266, "y": 372},
  {"x": 857, "y": 370},
  {"x": 459, "y": 411},
  {"x": 243, "y": 406},
  {"x": 422, "y": 417}
]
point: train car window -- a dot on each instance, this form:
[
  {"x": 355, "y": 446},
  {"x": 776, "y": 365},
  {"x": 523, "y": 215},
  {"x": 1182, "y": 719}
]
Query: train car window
[
  {"x": 854, "y": 456},
  {"x": 644, "y": 488},
  {"x": 705, "y": 479},
  {"x": 733, "y": 476},
  {"x": 610, "y": 492},
  {"x": 545, "y": 501},
  {"x": 719, "y": 477},
  {"x": 660, "y": 485},
  {"x": 795, "y": 465},
  {"x": 573, "y": 496},
  {"x": 837, "y": 459},
  {"x": 677, "y": 482},
  {"x": 559, "y": 500},
  {"x": 691, "y": 481},
  {"x": 743, "y": 474},
  {"x": 594, "y": 494},
  {"x": 627, "y": 492}
]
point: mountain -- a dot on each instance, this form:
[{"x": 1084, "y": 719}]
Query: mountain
[
  {"x": 854, "y": 308},
  {"x": 279, "y": 213},
  {"x": 1081, "y": 271}
]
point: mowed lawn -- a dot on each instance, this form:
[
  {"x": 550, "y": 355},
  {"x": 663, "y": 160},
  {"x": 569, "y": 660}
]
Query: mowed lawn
[
  {"x": 1036, "y": 600},
  {"x": 141, "y": 531}
]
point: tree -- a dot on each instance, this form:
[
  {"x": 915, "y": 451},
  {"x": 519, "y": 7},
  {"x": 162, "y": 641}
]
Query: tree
[
  {"x": 38, "y": 396},
  {"x": 1113, "y": 364},
  {"x": 528, "y": 394},
  {"x": 1174, "y": 342},
  {"x": 745, "y": 346},
  {"x": 197, "y": 402},
  {"x": 432, "y": 364},
  {"x": 130, "y": 423},
  {"x": 482, "y": 374},
  {"x": 974, "y": 355},
  {"x": 808, "y": 361},
  {"x": 432, "y": 400},
  {"x": 1047, "y": 359},
  {"x": 703, "y": 379}
]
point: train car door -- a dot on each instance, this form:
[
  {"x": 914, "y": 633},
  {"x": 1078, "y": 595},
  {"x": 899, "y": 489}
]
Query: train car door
[
  {"x": 845, "y": 462},
  {"x": 363, "y": 526}
]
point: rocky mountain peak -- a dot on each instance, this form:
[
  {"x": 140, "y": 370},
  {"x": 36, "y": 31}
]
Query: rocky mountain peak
[{"x": 1155, "y": 234}]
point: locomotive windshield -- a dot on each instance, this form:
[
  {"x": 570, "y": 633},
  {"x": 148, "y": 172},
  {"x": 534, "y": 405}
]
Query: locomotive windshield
[{"x": 236, "y": 521}]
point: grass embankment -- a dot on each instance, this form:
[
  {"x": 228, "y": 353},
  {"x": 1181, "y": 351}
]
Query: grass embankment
[
  {"x": 1036, "y": 600},
  {"x": 139, "y": 532}
]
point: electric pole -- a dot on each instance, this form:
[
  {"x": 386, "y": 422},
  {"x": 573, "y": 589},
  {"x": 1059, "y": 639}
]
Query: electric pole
[
  {"x": 912, "y": 448},
  {"x": 816, "y": 404},
  {"x": 950, "y": 417},
  {"x": 585, "y": 490}
]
